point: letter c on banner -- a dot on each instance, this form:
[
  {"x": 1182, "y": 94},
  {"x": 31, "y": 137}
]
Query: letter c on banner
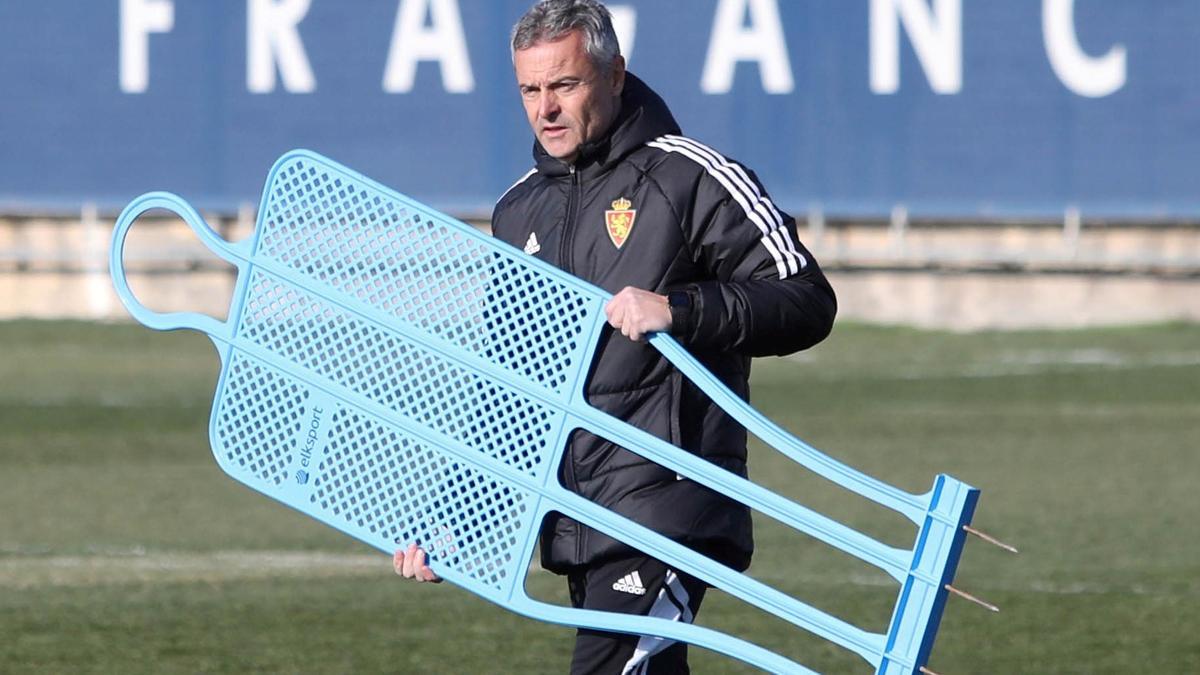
[
  {"x": 624, "y": 20},
  {"x": 1082, "y": 74}
]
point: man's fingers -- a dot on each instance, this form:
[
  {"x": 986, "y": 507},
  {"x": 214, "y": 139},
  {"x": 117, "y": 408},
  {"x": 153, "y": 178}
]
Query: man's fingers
[
  {"x": 418, "y": 561},
  {"x": 430, "y": 575},
  {"x": 617, "y": 318},
  {"x": 616, "y": 305},
  {"x": 410, "y": 563},
  {"x": 624, "y": 315},
  {"x": 420, "y": 569},
  {"x": 424, "y": 572},
  {"x": 630, "y": 328},
  {"x": 406, "y": 565},
  {"x": 635, "y": 324},
  {"x": 619, "y": 308},
  {"x": 635, "y": 313}
]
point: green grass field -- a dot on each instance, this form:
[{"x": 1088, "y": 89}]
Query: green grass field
[{"x": 125, "y": 549}]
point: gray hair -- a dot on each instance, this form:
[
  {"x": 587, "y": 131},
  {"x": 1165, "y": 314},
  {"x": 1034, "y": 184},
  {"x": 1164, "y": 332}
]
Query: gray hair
[{"x": 550, "y": 20}]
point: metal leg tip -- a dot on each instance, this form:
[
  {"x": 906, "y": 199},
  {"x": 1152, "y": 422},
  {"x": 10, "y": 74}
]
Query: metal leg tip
[
  {"x": 967, "y": 596},
  {"x": 990, "y": 539}
]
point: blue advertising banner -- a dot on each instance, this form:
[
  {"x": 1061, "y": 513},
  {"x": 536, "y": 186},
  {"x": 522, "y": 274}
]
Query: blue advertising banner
[{"x": 949, "y": 107}]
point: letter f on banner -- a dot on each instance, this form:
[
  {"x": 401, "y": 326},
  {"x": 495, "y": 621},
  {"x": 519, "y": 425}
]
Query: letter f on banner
[{"x": 140, "y": 18}]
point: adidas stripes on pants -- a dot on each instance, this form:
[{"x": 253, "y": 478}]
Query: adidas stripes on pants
[{"x": 637, "y": 585}]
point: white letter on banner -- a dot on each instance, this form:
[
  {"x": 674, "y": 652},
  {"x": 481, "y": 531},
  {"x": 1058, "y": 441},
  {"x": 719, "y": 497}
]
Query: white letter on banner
[
  {"x": 624, "y": 19},
  {"x": 271, "y": 37},
  {"x": 443, "y": 42},
  {"x": 761, "y": 41},
  {"x": 140, "y": 18},
  {"x": 936, "y": 35},
  {"x": 1084, "y": 75}
]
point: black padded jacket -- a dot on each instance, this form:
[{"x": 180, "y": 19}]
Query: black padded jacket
[{"x": 696, "y": 222}]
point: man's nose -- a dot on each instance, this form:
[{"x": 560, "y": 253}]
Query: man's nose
[{"x": 548, "y": 105}]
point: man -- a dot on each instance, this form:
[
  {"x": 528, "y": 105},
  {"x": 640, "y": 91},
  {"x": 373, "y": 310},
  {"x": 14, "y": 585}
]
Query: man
[{"x": 689, "y": 243}]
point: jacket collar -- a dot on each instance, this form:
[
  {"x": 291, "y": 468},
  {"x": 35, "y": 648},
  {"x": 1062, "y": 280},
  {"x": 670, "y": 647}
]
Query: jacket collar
[{"x": 643, "y": 117}]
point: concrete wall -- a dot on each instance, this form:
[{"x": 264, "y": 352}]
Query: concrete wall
[
  {"x": 933, "y": 275},
  {"x": 977, "y": 300}
]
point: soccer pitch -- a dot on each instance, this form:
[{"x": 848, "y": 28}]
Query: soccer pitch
[{"x": 124, "y": 548}]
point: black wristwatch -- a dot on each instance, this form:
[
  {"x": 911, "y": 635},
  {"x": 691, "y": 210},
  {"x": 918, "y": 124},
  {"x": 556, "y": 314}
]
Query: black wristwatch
[{"x": 682, "y": 307}]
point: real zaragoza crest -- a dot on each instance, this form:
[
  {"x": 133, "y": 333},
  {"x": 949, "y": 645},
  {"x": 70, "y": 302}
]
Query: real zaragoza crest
[{"x": 619, "y": 221}]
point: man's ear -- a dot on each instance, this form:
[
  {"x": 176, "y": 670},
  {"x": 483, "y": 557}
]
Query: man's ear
[{"x": 618, "y": 75}]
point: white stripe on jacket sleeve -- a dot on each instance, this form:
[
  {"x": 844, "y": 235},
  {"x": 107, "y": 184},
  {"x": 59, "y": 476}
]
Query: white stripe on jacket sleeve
[
  {"x": 758, "y": 209},
  {"x": 761, "y": 201}
]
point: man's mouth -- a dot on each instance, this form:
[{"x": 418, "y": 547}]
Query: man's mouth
[{"x": 553, "y": 131}]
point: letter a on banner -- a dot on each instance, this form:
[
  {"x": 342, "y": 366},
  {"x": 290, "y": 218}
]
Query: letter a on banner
[
  {"x": 762, "y": 41},
  {"x": 443, "y": 41}
]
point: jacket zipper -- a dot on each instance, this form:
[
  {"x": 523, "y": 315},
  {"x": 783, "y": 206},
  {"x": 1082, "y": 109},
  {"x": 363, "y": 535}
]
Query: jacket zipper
[
  {"x": 564, "y": 260},
  {"x": 568, "y": 238}
]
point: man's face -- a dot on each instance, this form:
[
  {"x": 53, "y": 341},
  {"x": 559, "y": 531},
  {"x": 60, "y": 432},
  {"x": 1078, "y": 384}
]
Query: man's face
[{"x": 567, "y": 101}]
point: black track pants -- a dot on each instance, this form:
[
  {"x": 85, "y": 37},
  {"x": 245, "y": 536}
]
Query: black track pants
[{"x": 638, "y": 585}]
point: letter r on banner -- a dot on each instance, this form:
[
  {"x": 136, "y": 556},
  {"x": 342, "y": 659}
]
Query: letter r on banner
[{"x": 272, "y": 38}]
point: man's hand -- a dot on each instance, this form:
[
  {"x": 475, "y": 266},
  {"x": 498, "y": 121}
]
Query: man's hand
[
  {"x": 410, "y": 564},
  {"x": 635, "y": 312}
]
